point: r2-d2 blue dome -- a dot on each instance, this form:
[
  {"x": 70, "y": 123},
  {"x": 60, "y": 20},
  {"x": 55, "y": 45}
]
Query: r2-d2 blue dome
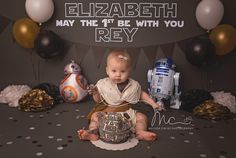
[{"x": 164, "y": 81}]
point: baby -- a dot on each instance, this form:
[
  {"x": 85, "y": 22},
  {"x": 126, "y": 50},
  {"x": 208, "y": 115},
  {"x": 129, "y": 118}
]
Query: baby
[{"x": 116, "y": 93}]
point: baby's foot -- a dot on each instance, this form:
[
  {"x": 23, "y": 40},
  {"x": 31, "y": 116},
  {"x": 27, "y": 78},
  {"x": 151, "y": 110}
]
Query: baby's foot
[
  {"x": 146, "y": 135},
  {"x": 87, "y": 135}
]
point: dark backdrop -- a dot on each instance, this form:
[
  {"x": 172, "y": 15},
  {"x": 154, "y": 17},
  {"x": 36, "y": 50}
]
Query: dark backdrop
[{"x": 23, "y": 66}]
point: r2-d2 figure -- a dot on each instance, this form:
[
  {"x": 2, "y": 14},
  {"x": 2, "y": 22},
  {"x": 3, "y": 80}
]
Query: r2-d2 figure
[{"x": 164, "y": 83}]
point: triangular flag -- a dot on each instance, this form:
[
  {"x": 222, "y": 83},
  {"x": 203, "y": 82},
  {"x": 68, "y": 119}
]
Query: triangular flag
[
  {"x": 99, "y": 53},
  {"x": 160, "y": 54},
  {"x": 183, "y": 43},
  {"x": 179, "y": 59},
  {"x": 13, "y": 39},
  {"x": 81, "y": 51},
  {"x": 151, "y": 52},
  {"x": 134, "y": 53},
  {"x": 4, "y": 22},
  {"x": 168, "y": 49},
  {"x": 66, "y": 45}
]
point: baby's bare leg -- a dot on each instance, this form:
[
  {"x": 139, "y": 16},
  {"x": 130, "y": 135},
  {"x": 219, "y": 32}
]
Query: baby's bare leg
[
  {"x": 141, "y": 128},
  {"x": 92, "y": 133},
  {"x": 94, "y": 121}
]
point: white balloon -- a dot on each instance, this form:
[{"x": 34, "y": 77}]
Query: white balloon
[
  {"x": 209, "y": 13},
  {"x": 39, "y": 10}
]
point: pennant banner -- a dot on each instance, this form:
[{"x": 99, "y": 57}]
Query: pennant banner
[
  {"x": 81, "y": 51},
  {"x": 134, "y": 52},
  {"x": 66, "y": 47},
  {"x": 99, "y": 53},
  {"x": 183, "y": 43},
  {"x": 151, "y": 53},
  {"x": 4, "y": 22},
  {"x": 168, "y": 49}
]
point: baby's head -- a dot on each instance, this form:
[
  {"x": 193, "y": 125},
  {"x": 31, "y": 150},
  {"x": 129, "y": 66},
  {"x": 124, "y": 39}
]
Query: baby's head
[{"x": 118, "y": 66}]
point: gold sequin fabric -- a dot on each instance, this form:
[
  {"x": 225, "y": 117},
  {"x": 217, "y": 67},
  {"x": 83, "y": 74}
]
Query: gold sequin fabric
[
  {"x": 36, "y": 100},
  {"x": 211, "y": 111}
]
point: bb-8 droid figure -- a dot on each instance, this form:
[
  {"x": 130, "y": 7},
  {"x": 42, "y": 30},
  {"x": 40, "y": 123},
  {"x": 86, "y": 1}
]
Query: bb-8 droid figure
[{"x": 73, "y": 88}]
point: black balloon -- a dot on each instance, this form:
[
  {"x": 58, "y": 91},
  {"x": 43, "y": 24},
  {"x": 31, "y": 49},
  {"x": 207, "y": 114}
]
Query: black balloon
[
  {"x": 199, "y": 50},
  {"x": 48, "y": 44}
]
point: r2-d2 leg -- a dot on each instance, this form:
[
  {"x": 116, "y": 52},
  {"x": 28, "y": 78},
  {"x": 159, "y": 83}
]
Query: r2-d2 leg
[{"x": 175, "y": 102}]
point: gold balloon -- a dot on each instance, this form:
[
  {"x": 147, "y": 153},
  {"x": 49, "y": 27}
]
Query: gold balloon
[
  {"x": 25, "y": 31},
  {"x": 223, "y": 37}
]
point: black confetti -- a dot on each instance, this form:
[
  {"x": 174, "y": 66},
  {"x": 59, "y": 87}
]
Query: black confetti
[
  {"x": 14, "y": 120},
  {"x": 64, "y": 145},
  {"x": 70, "y": 141},
  {"x": 223, "y": 153}
]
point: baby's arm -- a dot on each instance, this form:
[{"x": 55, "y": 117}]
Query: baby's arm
[
  {"x": 146, "y": 98},
  {"x": 96, "y": 97},
  {"x": 93, "y": 90}
]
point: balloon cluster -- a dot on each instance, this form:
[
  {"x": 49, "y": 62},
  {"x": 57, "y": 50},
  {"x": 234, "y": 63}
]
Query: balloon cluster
[
  {"x": 209, "y": 14},
  {"x": 27, "y": 33}
]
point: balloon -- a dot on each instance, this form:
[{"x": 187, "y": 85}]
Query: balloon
[
  {"x": 199, "y": 50},
  {"x": 73, "y": 87},
  {"x": 209, "y": 13},
  {"x": 223, "y": 37},
  {"x": 25, "y": 31},
  {"x": 39, "y": 10},
  {"x": 48, "y": 44}
]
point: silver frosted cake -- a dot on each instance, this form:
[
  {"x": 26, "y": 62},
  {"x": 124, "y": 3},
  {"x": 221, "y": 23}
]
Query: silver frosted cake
[{"x": 114, "y": 128}]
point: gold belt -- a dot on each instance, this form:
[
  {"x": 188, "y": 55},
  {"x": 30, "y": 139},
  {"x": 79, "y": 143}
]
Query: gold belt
[{"x": 122, "y": 108}]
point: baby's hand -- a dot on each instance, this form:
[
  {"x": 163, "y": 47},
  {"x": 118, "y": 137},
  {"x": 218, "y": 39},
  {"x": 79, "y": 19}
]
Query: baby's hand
[
  {"x": 160, "y": 107},
  {"x": 92, "y": 89}
]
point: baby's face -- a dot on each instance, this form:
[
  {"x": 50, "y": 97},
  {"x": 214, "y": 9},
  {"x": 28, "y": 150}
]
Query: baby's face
[{"x": 117, "y": 71}]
